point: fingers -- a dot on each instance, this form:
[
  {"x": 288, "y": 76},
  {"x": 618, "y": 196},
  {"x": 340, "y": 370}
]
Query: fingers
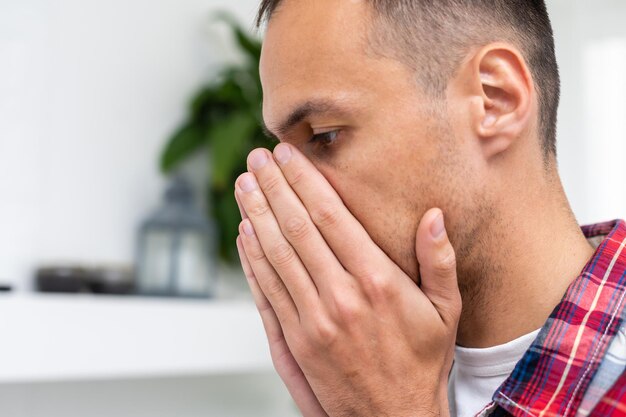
[
  {"x": 437, "y": 262},
  {"x": 270, "y": 245},
  {"x": 259, "y": 268},
  {"x": 242, "y": 211},
  {"x": 346, "y": 237},
  {"x": 286, "y": 365},
  {"x": 268, "y": 316},
  {"x": 294, "y": 221}
]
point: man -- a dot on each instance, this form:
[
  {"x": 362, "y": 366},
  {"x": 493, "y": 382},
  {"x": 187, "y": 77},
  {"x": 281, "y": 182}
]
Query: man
[{"x": 413, "y": 204}]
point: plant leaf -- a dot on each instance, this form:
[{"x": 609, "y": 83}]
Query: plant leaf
[
  {"x": 248, "y": 43},
  {"x": 229, "y": 142},
  {"x": 187, "y": 140},
  {"x": 224, "y": 209},
  {"x": 206, "y": 96}
]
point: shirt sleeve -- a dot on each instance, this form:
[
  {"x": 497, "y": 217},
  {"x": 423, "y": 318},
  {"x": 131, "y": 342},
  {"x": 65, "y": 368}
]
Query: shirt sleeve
[{"x": 614, "y": 401}]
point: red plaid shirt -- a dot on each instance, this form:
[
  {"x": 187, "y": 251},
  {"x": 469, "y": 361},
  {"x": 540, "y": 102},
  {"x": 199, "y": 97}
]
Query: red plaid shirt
[{"x": 568, "y": 367}]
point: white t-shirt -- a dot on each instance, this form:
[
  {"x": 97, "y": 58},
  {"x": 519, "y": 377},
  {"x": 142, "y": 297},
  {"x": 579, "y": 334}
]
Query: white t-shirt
[{"x": 477, "y": 374}]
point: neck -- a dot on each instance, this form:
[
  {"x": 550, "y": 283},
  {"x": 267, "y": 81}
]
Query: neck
[{"x": 526, "y": 258}]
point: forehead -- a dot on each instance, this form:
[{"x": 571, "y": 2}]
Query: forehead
[{"x": 315, "y": 50}]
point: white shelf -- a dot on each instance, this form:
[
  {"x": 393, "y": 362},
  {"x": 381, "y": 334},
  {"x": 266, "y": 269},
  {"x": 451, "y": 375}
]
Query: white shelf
[{"x": 74, "y": 337}]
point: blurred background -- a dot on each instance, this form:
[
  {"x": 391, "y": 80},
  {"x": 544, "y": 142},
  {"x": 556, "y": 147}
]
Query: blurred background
[{"x": 119, "y": 295}]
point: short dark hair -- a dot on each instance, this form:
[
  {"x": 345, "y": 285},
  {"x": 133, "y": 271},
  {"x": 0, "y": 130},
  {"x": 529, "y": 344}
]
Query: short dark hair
[{"x": 413, "y": 29}]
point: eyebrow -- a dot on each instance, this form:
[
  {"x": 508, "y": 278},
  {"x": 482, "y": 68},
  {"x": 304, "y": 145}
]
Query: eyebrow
[{"x": 302, "y": 112}]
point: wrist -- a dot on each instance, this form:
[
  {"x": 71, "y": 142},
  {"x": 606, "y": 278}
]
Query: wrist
[
  {"x": 444, "y": 404},
  {"x": 438, "y": 406}
]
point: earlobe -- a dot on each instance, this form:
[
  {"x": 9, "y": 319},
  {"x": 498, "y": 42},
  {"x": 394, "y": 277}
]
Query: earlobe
[{"x": 505, "y": 91}]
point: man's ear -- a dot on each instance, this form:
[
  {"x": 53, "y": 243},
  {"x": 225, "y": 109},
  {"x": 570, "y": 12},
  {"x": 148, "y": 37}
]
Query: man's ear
[{"x": 502, "y": 92}]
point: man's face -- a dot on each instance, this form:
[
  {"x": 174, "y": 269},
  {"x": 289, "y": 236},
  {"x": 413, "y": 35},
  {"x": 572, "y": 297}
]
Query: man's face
[{"x": 395, "y": 153}]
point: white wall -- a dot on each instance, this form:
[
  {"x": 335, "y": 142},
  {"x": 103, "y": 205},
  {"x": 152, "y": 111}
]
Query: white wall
[
  {"x": 89, "y": 91},
  {"x": 591, "y": 50}
]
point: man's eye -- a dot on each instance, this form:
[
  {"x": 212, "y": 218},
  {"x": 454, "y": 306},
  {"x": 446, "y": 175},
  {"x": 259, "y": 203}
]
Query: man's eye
[{"x": 325, "y": 139}]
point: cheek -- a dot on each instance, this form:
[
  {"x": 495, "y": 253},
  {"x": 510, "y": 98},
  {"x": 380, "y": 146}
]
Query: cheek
[
  {"x": 388, "y": 183},
  {"x": 379, "y": 201}
]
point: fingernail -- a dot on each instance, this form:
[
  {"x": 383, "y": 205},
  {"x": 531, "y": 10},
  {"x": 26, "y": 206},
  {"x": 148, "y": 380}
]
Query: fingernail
[
  {"x": 282, "y": 153},
  {"x": 247, "y": 183},
  {"x": 257, "y": 159},
  {"x": 437, "y": 228},
  {"x": 247, "y": 228}
]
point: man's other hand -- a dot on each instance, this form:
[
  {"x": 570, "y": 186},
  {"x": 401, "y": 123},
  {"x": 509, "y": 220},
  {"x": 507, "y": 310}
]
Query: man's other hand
[{"x": 350, "y": 332}]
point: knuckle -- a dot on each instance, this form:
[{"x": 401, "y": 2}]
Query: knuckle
[
  {"x": 275, "y": 288},
  {"x": 282, "y": 254},
  {"x": 258, "y": 209},
  {"x": 322, "y": 332},
  {"x": 264, "y": 306},
  {"x": 349, "y": 310},
  {"x": 271, "y": 185},
  {"x": 445, "y": 262},
  {"x": 296, "y": 228},
  {"x": 282, "y": 360},
  {"x": 248, "y": 274},
  {"x": 376, "y": 286},
  {"x": 456, "y": 308},
  {"x": 296, "y": 177},
  {"x": 256, "y": 254},
  {"x": 325, "y": 216}
]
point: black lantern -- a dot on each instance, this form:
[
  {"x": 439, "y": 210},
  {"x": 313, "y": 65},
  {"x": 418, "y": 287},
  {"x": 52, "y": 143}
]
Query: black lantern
[{"x": 175, "y": 255}]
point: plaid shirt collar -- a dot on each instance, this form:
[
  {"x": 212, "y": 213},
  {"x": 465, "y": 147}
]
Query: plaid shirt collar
[{"x": 554, "y": 374}]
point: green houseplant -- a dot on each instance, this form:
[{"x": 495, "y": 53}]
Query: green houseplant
[{"x": 225, "y": 118}]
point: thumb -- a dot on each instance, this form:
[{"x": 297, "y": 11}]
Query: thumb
[{"x": 437, "y": 263}]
